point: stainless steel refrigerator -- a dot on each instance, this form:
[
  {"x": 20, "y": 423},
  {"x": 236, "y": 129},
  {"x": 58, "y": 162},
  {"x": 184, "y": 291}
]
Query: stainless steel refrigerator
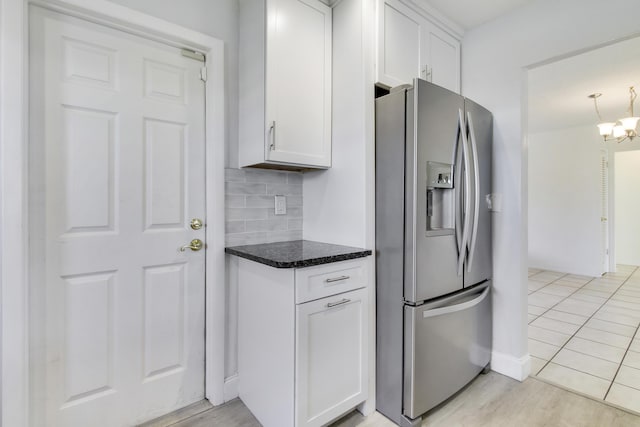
[{"x": 433, "y": 246}]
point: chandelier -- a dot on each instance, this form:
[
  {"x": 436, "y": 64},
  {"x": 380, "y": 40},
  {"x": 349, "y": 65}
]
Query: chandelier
[{"x": 623, "y": 128}]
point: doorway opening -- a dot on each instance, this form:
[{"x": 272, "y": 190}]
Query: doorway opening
[{"x": 584, "y": 302}]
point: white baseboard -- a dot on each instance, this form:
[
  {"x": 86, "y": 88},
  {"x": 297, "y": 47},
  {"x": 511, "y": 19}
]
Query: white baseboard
[
  {"x": 231, "y": 388},
  {"x": 367, "y": 407},
  {"x": 514, "y": 367}
]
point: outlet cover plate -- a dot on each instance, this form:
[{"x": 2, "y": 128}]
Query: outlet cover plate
[{"x": 280, "y": 205}]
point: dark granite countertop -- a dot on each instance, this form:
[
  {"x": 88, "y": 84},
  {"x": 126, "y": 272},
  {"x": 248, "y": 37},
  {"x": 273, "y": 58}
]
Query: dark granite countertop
[{"x": 297, "y": 253}]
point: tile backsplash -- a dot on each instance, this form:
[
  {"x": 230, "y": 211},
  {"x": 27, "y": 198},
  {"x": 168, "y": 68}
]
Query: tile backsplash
[{"x": 250, "y": 206}]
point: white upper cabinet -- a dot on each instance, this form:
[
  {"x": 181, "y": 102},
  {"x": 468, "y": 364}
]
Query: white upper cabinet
[
  {"x": 410, "y": 45},
  {"x": 285, "y": 84}
]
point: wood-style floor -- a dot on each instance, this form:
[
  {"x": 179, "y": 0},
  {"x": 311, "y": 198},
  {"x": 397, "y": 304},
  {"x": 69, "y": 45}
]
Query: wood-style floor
[{"x": 490, "y": 400}]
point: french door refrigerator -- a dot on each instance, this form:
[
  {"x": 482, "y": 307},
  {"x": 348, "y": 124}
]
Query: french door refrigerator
[{"x": 433, "y": 245}]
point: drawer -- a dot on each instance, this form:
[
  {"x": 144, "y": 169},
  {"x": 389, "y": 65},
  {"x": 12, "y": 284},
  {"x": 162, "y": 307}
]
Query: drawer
[
  {"x": 446, "y": 346},
  {"x": 330, "y": 279}
]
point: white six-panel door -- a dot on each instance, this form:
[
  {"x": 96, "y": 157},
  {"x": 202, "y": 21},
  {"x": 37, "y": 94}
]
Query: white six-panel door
[{"x": 117, "y": 160}]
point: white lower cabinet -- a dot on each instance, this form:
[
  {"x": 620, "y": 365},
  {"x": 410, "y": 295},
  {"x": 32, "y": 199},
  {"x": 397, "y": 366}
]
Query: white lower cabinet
[
  {"x": 305, "y": 363},
  {"x": 329, "y": 356}
]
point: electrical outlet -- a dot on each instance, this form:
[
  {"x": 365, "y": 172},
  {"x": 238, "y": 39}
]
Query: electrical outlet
[{"x": 281, "y": 205}]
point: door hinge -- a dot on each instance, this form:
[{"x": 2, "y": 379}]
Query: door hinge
[
  {"x": 203, "y": 74},
  {"x": 193, "y": 54}
]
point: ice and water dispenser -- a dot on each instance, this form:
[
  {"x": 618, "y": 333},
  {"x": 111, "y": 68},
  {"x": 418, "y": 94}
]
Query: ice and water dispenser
[{"x": 440, "y": 199}]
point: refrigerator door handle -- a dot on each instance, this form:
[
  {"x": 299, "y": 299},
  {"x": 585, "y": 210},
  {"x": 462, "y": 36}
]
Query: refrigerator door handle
[
  {"x": 467, "y": 194},
  {"x": 476, "y": 184},
  {"x": 458, "y": 307},
  {"x": 457, "y": 188}
]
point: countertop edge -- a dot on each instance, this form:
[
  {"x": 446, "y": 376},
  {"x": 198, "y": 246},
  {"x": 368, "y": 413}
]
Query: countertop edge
[{"x": 300, "y": 263}]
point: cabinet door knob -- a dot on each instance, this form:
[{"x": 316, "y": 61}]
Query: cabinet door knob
[{"x": 342, "y": 301}]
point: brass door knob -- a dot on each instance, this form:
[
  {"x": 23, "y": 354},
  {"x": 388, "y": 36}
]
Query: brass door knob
[
  {"x": 196, "y": 224},
  {"x": 194, "y": 245}
]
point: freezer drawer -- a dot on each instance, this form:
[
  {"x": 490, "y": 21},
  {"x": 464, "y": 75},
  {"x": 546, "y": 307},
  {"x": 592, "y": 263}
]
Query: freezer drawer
[{"x": 446, "y": 344}]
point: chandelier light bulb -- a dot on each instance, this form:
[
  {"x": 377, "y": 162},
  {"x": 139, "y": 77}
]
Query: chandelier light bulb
[
  {"x": 629, "y": 123},
  {"x": 606, "y": 128},
  {"x": 619, "y": 131}
]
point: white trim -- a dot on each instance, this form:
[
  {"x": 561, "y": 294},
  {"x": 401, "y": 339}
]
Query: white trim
[
  {"x": 231, "y": 388},
  {"x": 614, "y": 148},
  {"x": 369, "y": 29},
  {"x": 612, "y": 210},
  {"x": 14, "y": 374},
  {"x": 605, "y": 245},
  {"x": 132, "y": 21},
  {"x": 517, "y": 368},
  {"x": 215, "y": 270},
  {"x": 14, "y": 297},
  {"x": 436, "y": 17}
]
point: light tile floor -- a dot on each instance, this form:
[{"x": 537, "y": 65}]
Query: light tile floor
[{"x": 583, "y": 333}]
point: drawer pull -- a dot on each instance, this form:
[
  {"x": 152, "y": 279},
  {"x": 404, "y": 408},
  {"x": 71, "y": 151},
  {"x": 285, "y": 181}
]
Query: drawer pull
[
  {"x": 336, "y": 279},
  {"x": 342, "y": 301}
]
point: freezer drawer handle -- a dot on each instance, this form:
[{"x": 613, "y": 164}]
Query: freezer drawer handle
[
  {"x": 342, "y": 301},
  {"x": 457, "y": 307},
  {"x": 336, "y": 279}
]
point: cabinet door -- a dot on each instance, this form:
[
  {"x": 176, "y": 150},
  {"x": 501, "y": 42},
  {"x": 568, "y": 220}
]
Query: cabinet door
[
  {"x": 298, "y": 87},
  {"x": 410, "y": 46},
  {"x": 443, "y": 59},
  {"x": 331, "y": 367},
  {"x": 401, "y": 50}
]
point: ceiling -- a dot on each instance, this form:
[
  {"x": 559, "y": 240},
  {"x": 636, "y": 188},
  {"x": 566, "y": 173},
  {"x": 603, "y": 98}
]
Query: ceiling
[
  {"x": 471, "y": 13},
  {"x": 558, "y": 91}
]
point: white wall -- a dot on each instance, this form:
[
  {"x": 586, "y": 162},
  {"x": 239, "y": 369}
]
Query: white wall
[
  {"x": 564, "y": 200},
  {"x": 627, "y": 207},
  {"x": 218, "y": 19},
  {"x": 494, "y": 56},
  {"x": 339, "y": 202},
  {"x": 334, "y": 199}
]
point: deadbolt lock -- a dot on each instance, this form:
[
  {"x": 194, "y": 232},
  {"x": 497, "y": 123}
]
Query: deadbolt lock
[
  {"x": 194, "y": 245},
  {"x": 196, "y": 224}
]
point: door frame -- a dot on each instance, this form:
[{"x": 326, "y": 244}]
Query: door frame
[
  {"x": 613, "y": 149},
  {"x": 607, "y": 253},
  {"x": 612, "y": 208},
  {"x": 14, "y": 172}
]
